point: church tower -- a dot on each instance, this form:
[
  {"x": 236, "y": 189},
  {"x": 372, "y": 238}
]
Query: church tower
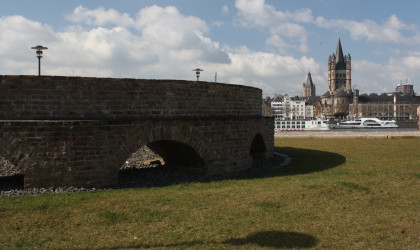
[
  {"x": 308, "y": 88},
  {"x": 339, "y": 71},
  {"x": 338, "y": 97}
]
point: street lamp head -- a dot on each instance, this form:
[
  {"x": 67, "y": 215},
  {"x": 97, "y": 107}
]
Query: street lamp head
[
  {"x": 39, "y": 49},
  {"x": 197, "y": 72}
]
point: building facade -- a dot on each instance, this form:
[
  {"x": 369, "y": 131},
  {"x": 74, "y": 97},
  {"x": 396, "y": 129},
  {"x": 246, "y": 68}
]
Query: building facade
[
  {"x": 405, "y": 89},
  {"x": 297, "y": 110},
  {"x": 384, "y": 111},
  {"x": 278, "y": 108},
  {"x": 310, "y": 111},
  {"x": 284, "y": 107}
]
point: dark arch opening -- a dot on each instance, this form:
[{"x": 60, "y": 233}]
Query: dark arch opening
[
  {"x": 161, "y": 163},
  {"x": 258, "y": 148},
  {"x": 176, "y": 153}
]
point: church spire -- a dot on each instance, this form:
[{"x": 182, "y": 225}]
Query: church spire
[
  {"x": 340, "y": 57},
  {"x": 309, "y": 80}
]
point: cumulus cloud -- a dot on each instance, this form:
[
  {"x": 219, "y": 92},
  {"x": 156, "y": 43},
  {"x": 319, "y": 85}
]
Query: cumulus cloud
[
  {"x": 286, "y": 29},
  {"x": 157, "y": 42},
  {"x": 391, "y": 31},
  {"x": 400, "y": 66},
  {"x": 283, "y": 26},
  {"x": 18, "y": 35},
  {"x": 161, "y": 42},
  {"x": 99, "y": 16},
  {"x": 269, "y": 71}
]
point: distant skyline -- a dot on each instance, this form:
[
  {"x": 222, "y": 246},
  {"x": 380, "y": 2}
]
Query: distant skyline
[{"x": 268, "y": 44}]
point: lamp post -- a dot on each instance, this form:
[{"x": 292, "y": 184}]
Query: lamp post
[
  {"x": 39, "y": 49},
  {"x": 197, "y": 72}
]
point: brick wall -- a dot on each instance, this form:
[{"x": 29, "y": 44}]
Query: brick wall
[
  {"x": 77, "y": 153},
  {"x": 63, "y": 131},
  {"x": 72, "y": 98}
]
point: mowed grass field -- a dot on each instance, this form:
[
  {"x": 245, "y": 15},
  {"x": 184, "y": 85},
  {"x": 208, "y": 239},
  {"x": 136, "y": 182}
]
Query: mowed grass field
[{"x": 336, "y": 193}]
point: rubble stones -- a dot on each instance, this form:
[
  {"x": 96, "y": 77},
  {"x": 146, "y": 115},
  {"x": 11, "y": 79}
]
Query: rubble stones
[{"x": 7, "y": 169}]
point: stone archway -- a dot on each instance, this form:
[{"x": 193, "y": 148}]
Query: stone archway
[
  {"x": 258, "y": 148},
  {"x": 179, "y": 155}
]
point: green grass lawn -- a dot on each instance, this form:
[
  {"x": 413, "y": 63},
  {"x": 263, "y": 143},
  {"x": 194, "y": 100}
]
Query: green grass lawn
[{"x": 336, "y": 193}]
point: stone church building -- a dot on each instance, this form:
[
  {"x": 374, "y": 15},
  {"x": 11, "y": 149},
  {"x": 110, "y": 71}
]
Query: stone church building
[{"x": 339, "y": 95}]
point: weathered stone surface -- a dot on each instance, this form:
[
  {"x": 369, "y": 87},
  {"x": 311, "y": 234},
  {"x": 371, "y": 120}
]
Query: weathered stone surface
[
  {"x": 61, "y": 131},
  {"x": 76, "y": 98}
]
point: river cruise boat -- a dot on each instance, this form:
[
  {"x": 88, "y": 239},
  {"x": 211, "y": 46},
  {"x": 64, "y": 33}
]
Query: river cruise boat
[
  {"x": 365, "y": 123},
  {"x": 300, "y": 125}
]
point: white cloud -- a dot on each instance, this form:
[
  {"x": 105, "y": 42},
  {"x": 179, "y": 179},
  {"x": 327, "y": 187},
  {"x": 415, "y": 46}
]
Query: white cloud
[
  {"x": 391, "y": 31},
  {"x": 18, "y": 35},
  {"x": 279, "y": 42},
  {"x": 302, "y": 15},
  {"x": 99, "y": 16},
  {"x": 268, "y": 71},
  {"x": 161, "y": 42},
  {"x": 158, "y": 42},
  {"x": 282, "y": 25},
  {"x": 168, "y": 26},
  {"x": 374, "y": 77}
]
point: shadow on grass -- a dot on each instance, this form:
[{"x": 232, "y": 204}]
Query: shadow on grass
[
  {"x": 272, "y": 239},
  {"x": 303, "y": 161},
  {"x": 276, "y": 239},
  {"x": 307, "y": 161}
]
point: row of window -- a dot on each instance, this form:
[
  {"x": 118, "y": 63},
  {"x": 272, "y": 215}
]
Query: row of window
[{"x": 289, "y": 124}]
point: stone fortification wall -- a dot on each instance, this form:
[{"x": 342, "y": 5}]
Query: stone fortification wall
[
  {"x": 75, "y": 131},
  {"x": 83, "y": 153},
  {"x": 75, "y": 98}
]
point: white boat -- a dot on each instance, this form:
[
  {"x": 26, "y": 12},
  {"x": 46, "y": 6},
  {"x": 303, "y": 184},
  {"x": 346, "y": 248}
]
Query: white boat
[
  {"x": 300, "y": 125},
  {"x": 366, "y": 123}
]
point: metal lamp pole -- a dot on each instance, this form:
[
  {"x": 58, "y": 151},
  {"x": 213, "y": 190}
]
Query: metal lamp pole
[{"x": 39, "y": 49}]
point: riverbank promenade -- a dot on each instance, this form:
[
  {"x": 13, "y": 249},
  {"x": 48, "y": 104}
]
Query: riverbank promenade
[{"x": 349, "y": 134}]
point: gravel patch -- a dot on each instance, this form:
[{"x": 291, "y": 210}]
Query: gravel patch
[{"x": 142, "y": 170}]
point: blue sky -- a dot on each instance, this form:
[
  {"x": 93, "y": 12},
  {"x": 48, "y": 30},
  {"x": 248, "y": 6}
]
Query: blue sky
[{"x": 267, "y": 44}]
